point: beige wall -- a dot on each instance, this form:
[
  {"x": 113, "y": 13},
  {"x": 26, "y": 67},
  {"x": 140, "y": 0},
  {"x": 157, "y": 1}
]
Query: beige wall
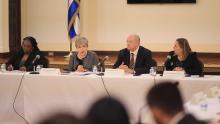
[
  {"x": 4, "y": 29},
  {"x": 107, "y": 23}
]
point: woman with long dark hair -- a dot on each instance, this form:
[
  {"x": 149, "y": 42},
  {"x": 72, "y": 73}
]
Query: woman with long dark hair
[{"x": 27, "y": 57}]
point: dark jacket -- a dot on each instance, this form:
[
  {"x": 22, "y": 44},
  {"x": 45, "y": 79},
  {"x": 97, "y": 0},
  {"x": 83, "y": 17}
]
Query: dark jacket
[
  {"x": 143, "y": 61},
  {"x": 16, "y": 59},
  {"x": 191, "y": 64},
  {"x": 189, "y": 119}
]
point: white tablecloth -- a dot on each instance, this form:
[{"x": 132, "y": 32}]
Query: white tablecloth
[
  {"x": 9, "y": 83},
  {"x": 46, "y": 93},
  {"x": 211, "y": 113},
  {"x": 43, "y": 94}
]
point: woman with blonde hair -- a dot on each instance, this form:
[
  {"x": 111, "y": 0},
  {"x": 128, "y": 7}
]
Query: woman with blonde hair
[
  {"x": 183, "y": 59},
  {"x": 82, "y": 60}
]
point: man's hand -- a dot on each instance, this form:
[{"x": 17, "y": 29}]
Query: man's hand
[
  {"x": 122, "y": 66},
  {"x": 129, "y": 71},
  {"x": 126, "y": 69}
]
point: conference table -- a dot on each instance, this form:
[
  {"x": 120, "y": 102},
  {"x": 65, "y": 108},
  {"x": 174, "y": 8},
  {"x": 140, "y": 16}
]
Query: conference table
[{"x": 44, "y": 94}]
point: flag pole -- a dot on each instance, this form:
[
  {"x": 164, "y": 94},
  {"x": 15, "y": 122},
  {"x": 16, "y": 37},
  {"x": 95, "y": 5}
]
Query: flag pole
[
  {"x": 71, "y": 47},
  {"x": 70, "y": 52}
]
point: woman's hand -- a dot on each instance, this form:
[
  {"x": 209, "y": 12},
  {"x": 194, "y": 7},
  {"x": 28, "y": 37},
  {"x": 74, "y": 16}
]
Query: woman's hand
[
  {"x": 23, "y": 68},
  {"x": 10, "y": 68},
  {"x": 80, "y": 68}
]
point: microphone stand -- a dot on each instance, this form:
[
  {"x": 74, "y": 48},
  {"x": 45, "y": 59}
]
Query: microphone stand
[
  {"x": 163, "y": 68},
  {"x": 34, "y": 69},
  {"x": 101, "y": 68}
]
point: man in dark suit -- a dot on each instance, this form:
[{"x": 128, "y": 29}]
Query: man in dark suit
[
  {"x": 166, "y": 105},
  {"x": 134, "y": 59}
]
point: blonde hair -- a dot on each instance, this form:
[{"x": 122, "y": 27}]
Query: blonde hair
[
  {"x": 184, "y": 45},
  {"x": 81, "y": 41}
]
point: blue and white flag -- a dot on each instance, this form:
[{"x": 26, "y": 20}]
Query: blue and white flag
[{"x": 73, "y": 19}]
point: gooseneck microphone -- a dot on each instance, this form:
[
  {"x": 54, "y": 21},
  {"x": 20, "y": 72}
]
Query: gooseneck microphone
[
  {"x": 103, "y": 61},
  {"x": 101, "y": 64},
  {"x": 37, "y": 57},
  {"x": 168, "y": 58}
]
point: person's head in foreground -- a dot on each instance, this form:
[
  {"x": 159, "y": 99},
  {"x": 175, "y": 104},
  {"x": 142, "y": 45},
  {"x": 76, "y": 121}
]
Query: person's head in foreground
[
  {"x": 107, "y": 111},
  {"x": 166, "y": 104},
  {"x": 61, "y": 118}
]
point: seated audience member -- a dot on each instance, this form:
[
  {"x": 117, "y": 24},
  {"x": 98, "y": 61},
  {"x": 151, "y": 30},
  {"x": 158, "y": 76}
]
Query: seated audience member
[
  {"x": 134, "y": 58},
  {"x": 107, "y": 111},
  {"x": 82, "y": 60},
  {"x": 61, "y": 118},
  {"x": 166, "y": 104},
  {"x": 26, "y": 57},
  {"x": 183, "y": 59}
]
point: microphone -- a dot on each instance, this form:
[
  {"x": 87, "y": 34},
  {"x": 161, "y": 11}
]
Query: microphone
[
  {"x": 101, "y": 64},
  {"x": 168, "y": 58},
  {"x": 103, "y": 61},
  {"x": 37, "y": 57}
]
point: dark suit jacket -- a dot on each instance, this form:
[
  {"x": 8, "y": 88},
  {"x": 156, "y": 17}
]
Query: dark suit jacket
[
  {"x": 189, "y": 119},
  {"x": 16, "y": 59},
  {"x": 143, "y": 60},
  {"x": 191, "y": 64}
]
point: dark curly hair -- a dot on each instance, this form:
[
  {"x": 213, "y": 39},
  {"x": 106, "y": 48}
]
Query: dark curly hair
[{"x": 33, "y": 42}]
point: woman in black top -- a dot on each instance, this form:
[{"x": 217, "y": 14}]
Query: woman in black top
[
  {"x": 25, "y": 58},
  {"x": 183, "y": 59}
]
